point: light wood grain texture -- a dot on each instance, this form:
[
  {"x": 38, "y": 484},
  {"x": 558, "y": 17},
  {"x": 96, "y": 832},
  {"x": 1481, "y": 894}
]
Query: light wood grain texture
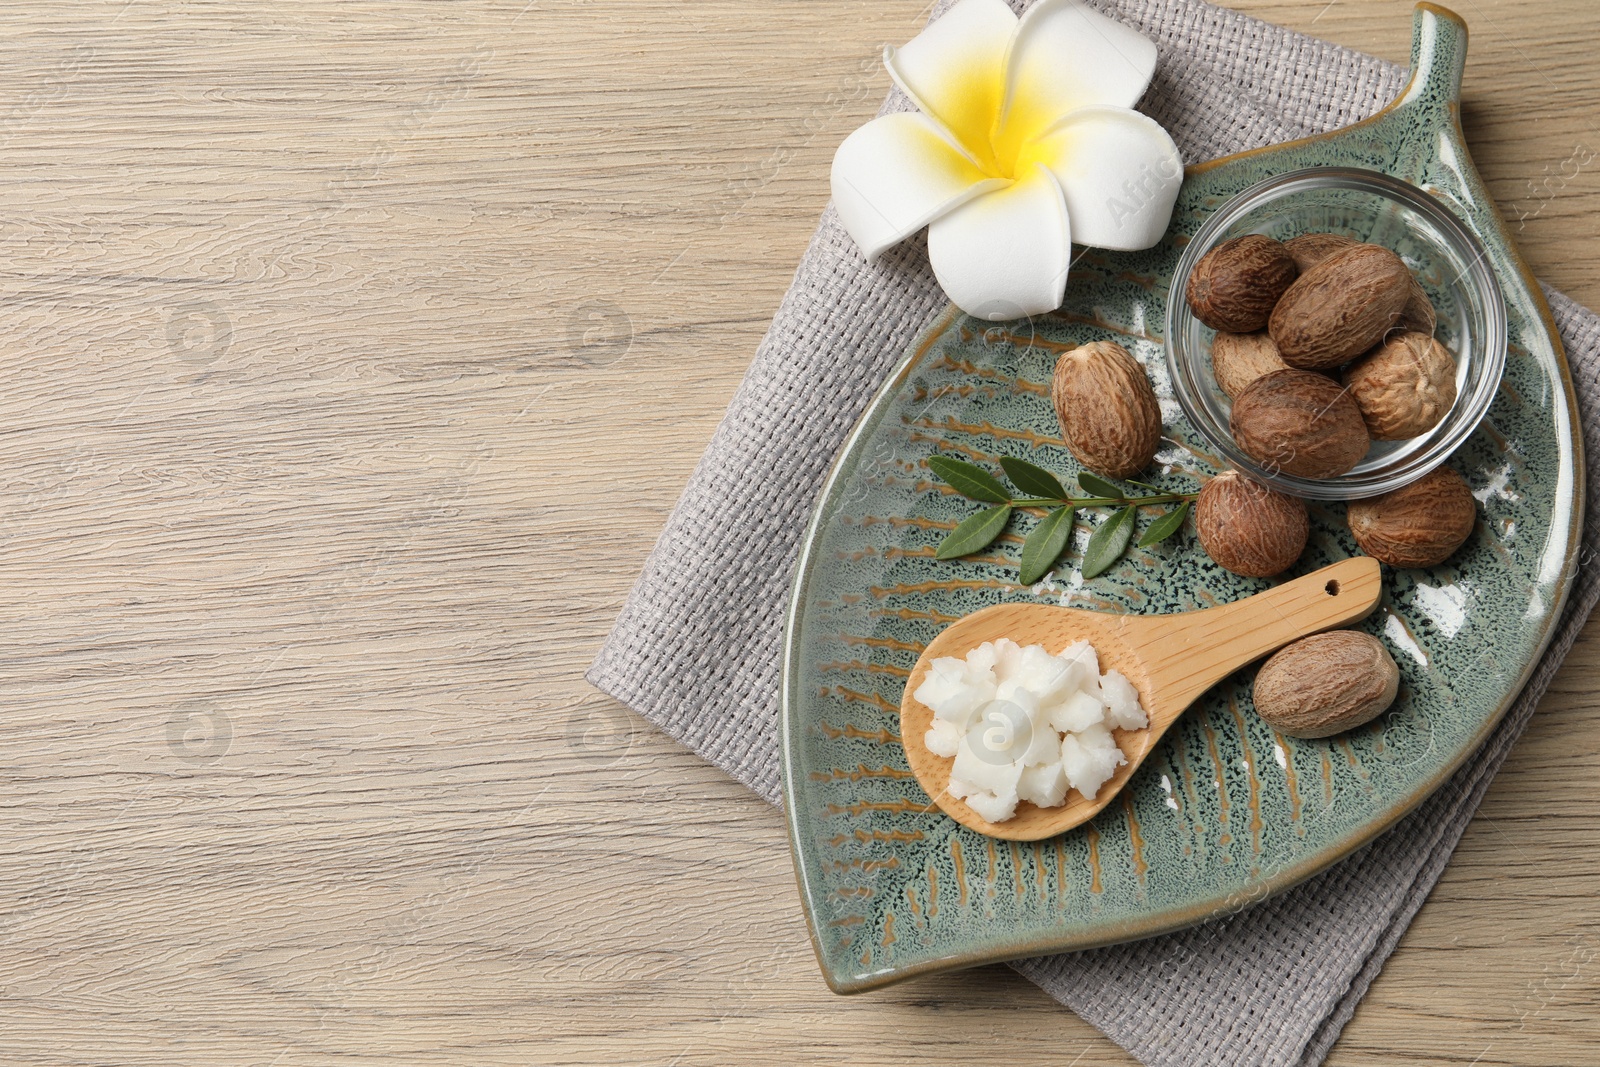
[
  {"x": 355, "y": 353},
  {"x": 1170, "y": 659}
]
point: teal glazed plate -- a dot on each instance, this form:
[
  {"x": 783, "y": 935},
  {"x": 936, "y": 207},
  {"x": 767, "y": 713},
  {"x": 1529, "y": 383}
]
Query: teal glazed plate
[{"x": 1224, "y": 812}]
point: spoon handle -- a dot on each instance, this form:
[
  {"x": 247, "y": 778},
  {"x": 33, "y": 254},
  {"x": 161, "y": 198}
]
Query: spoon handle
[{"x": 1206, "y": 646}]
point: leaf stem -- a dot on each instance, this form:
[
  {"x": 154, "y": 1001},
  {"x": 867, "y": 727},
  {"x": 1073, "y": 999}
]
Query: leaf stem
[{"x": 1103, "y": 501}]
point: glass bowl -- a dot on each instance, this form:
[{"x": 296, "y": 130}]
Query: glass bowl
[{"x": 1444, "y": 255}]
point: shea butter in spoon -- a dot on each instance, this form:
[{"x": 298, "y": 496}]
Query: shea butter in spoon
[
  {"x": 1023, "y": 724},
  {"x": 1168, "y": 660}
]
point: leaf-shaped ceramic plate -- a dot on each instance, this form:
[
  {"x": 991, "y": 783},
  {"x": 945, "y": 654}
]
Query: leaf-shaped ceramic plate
[{"x": 1225, "y": 812}]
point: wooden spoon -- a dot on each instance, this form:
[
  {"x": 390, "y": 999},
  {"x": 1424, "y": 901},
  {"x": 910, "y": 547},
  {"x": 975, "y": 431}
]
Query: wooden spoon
[{"x": 1170, "y": 659}]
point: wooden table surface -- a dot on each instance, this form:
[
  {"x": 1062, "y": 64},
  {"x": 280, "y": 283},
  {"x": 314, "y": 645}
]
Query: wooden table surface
[{"x": 355, "y": 354}]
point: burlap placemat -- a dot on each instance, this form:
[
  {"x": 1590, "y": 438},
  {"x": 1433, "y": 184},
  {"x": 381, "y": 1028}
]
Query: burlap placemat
[{"x": 696, "y": 650}]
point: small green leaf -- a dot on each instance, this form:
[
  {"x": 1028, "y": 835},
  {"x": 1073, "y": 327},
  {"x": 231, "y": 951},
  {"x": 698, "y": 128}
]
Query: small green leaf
[
  {"x": 975, "y": 533},
  {"x": 1165, "y": 526},
  {"x": 1033, "y": 481},
  {"x": 1108, "y": 543},
  {"x": 1044, "y": 545},
  {"x": 973, "y": 482},
  {"x": 1098, "y": 486},
  {"x": 1146, "y": 485}
]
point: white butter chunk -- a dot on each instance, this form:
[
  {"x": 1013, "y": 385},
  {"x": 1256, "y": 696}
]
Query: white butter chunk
[{"x": 1023, "y": 725}]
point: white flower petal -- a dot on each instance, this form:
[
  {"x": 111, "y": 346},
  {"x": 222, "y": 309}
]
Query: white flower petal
[
  {"x": 895, "y": 175},
  {"x": 955, "y": 71},
  {"x": 1063, "y": 57},
  {"x": 1119, "y": 171},
  {"x": 1005, "y": 254}
]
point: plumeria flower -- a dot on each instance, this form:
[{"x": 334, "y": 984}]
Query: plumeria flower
[{"x": 1026, "y": 141}]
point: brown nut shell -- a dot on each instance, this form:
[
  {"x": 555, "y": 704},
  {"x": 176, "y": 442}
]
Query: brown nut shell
[
  {"x": 1417, "y": 525},
  {"x": 1248, "y": 528},
  {"x": 1326, "y": 684},
  {"x": 1404, "y": 387},
  {"x": 1107, "y": 409},
  {"x": 1309, "y": 249},
  {"x": 1419, "y": 313},
  {"x": 1301, "y": 423},
  {"x": 1235, "y": 285},
  {"x": 1237, "y": 359},
  {"x": 1340, "y": 308}
]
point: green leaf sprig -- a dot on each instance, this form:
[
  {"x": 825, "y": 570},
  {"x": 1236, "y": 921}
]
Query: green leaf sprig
[{"x": 1038, "y": 488}]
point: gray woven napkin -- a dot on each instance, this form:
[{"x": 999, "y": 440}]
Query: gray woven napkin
[{"x": 696, "y": 650}]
